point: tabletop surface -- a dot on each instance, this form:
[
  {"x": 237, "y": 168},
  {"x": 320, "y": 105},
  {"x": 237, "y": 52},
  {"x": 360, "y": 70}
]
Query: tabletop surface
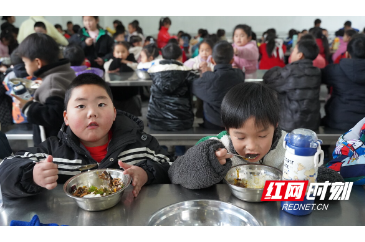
[{"x": 55, "y": 207}]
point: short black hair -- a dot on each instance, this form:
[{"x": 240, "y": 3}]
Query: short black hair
[
  {"x": 40, "y": 24},
  {"x": 75, "y": 55},
  {"x": 134, "y": 39},
  {"x": 350, "y": 32},
  {"x": 356, "y": 46},
  {"x": 150, "y": 38},
  {"x": 247, "y": 29},
  {"x": 38, "y": 45},
  {"x": 15, "y": 58},
  {"x": 69, "y": 22},
  {"x": 76, "y": 28},
  {"x": 58, "y": 26},
  {"x": 120, "y": 28},
  {"x": 308, "y": 47},
  {"x": 348, "y": 23},
  {"x": 221, "y": 32},
  {"x": 171, "y": 52},
  {"x": 317, "y": 21},
  {"x": 124, "y": 43},
  {"x": 173, "y": 41},
  {"x": 222, "y": 52},
  {"x": 250, "y": 99},
  {"x": 115, "y": 35},
  {"x": 117, "y": 22},
  {"x": 86, "y": 79},
  {"x": 151, "y": 50}
]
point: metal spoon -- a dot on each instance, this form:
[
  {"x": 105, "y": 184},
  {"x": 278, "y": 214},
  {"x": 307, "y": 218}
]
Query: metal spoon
[{"x": 79, "y": 167}]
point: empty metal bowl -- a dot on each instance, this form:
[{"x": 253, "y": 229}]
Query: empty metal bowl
[
  {"x": 91, "y": 178},
  {"x": 202, "y": 213},
  {"x": 255, "y": 175},
  {"x": 143, "y": 75}
]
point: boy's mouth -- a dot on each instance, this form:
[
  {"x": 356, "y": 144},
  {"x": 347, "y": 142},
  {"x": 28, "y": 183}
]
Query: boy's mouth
[
  {"x": 93, "y": 125},
  {"x": 251, "y": 156}
]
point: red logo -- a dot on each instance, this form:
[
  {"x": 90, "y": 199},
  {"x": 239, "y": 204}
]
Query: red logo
[{"x": 284, "y": 190}]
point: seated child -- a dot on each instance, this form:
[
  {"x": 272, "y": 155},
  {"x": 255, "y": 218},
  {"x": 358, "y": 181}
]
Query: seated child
[
  {"x": 149, "y": 57},
  {"x": 119, "y": 37},
  {"x": 40, "y": 27},
  {"x": 149, "y": 40},
  {"x": 221, "y": 33},
  {"x": 40, "y": 55},
  {"x": 211, "y": 87},
  {"x": 298, "y": 85},
  {"x": 122, "y": 61},
  {"x": 176, "y": 42},
  {"x": 170, "y": 105},
  {"x": 246, "y": 53},
  {"x": 322, "y": 43},
  {"x": 346, "y": 105},
  {"x": 272, "y": 51},
  {"x": 250, "y": 115},
  {"x": 93, "y": 132},
  {"x": 136, "y": 47},
  {"x": 6, "y": 38},
  {"x": 205, "y": 56},
  {"x": 349, "y": 155},
  {"x": 76, "y": 56},
  {"x": 341, "y": 51}
]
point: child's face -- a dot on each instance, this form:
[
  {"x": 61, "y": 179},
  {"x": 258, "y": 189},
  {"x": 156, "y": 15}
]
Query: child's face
[
  {"x": 90, "y": 23},
  {"x": 90, "y": 114},
  {"x": 205, "y": 51},
  {"x": 252, "y": 139},
  {"x": 40, "y": 30},
  {"x": 120, "y": 52},
  {"x": 31, "y": 66},
  {"x": 5, "y": 41},
  {"x": 346, "y": 38},
  {"x": 296, "y": 55},
  {"x": 131, "y": 29},
  {"x": 60, "y": 31},
  {"x": 119, "y": 38},
  {"x": 137, "y": 44},
  {"x": 69, "y": 27},
  {"x": 240, "y": 37},
  {"x": 147, "y": 42},
  {"x": 181, "y": 42},
  {"x": 144, "y": 57}
]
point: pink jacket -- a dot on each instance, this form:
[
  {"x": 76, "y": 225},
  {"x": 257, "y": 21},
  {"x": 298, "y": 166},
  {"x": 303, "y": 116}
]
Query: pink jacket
[
  {"x": 4, "y": 50},
  {"x": 247, "y": 57},
  {"x": 341, "y": 49}
]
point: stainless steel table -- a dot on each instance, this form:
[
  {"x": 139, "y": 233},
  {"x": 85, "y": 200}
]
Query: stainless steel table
[{"x": 55, "y": 207}]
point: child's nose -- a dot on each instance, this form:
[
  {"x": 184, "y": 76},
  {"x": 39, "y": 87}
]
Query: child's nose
[{"x": 92, "y": 113}]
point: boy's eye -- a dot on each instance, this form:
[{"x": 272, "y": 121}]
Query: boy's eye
[
  {"x": 101, "y": 105},
  {"x": 80, "y": 106},
  {"x": 240, "y": 138},
  {"x": 263, "y": 136}
]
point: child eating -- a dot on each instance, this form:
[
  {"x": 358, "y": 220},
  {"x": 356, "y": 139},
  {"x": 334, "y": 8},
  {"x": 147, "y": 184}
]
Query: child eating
[{"x": 205, "y": 56}]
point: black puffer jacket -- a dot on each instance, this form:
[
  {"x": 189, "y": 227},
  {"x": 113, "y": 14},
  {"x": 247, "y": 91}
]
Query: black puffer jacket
[
  {"x": 346, "y": 106},
  {"x": 298, "y": 85},
  {"x": 170, "y": 106}
]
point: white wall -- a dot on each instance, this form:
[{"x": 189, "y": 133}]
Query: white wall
[{"x": 191, "y": 24}]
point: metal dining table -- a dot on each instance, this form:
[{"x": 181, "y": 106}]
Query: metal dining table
[{"x": 55, "y": 207}]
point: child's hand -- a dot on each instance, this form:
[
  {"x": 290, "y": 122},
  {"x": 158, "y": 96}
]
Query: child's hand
[
  {"x": 203, "y": 67},
  {"x": 114, "y": 71},
  {"x": 99, "y": 61},
  {"x": 21, "y": 102},
  {"x": 139, "y": 176},
  {"x": 3, "y": 69},
  {"x": 222, "y": 155},
  {"x": 89, "y": 41},
  {"x": 45, "y": 173}
]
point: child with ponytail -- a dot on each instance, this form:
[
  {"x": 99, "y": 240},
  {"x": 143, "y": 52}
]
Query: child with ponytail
[
  {"x": 163, "y": 36},
  {"x": 272, "y": 51}
]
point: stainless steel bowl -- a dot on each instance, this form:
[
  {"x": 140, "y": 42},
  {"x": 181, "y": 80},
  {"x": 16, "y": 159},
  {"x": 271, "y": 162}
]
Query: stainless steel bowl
[
  {"x": 202, "y": 213},
  {"x": 143, "y": 75},
  {"x": 256, "y": 175},
  {"x": 91, "y": 178}
]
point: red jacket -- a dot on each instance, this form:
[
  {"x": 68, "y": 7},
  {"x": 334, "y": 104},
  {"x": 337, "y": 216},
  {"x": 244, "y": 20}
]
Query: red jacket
[
  {"x": 163, "y": 37},
  {"x": 342, "y": 56},
  {"x": 267, "y": 62},
  {"x": 321, "y": 50}
]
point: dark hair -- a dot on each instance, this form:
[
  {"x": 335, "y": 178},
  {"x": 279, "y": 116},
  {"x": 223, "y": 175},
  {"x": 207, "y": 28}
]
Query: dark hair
[
  {"x": 308, "y": 46},
  {"x": 58, "y": 26},
  {"x": 135, "y": 25},
  {"x": 134, "y": 39},
  {"x": 253, "y": 36},
  {"x": 40, "y": 25},
  {"x": 96, "y": 18},
  {"x": 75, "y": 55},
  {"x": 221, "y": 32},
  {"x": 173, "y": 41},
  {"x": 151, "y": 50},
  {"x": 120, "y": 29},
  {"x": 207, "y": 41},
  {"x": 149, "y": 38},
  {"x": 348, "y": 23},
  {"x": 356, "y": 46},
  {"x": 76, "y": 28},
  {"x": 317, "y": 33},
  {"x": 247, "y": 29},
  {"x": 5, "y": 18},
  {"x": 350, "y": 32},
  {"x": 291, "y": 33},
  {"x": 204, "y": 33},
  {"x": 115, "y": 35},
  {"x": 69, "y": 22},
  {"x": 38, "y": 45},
  {"x": 222, "y": 52},
  {"x": 270, "y": 38},
  {"x": 86, "y": 79},
  {"x": 15, "y": 58},
  {"x": 171, "y": 52},
  {"x": 317, "y": 21},
  {"x": 180, "y": 33},
  {"x": 7, "y": 35},
  {"x": 303, "y": 31},
  {"x": 117, "y": 22},
  {"x": 124, "y": 43},
  {"x": 164, "y": 21},
  {"x": 250, "y": 99},
  {"x": 213, "y": 38}
]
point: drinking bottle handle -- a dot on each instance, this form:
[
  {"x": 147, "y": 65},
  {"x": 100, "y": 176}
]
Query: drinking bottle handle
[{"x": 319, "y": 152}]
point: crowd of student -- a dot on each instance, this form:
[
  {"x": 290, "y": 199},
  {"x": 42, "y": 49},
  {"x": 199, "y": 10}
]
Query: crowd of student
[{"x": 78, "y": 118}]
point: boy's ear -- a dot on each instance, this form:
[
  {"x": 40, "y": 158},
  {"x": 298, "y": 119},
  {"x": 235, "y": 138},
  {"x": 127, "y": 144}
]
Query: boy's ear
[
  {"x": 348, "y": 55},
  {"x": 231, "y": 62},
  {"x": 212, "y": 61},
  {"x": 301, "y": 56},
  {"x": 115, "y": 114},
  {"x": 65, "y": 118},
  {"x": 39, "y": 62}
]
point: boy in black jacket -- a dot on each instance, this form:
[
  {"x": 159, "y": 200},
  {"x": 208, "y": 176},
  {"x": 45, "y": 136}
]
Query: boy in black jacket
[
  {"x": 93, "y": 133},
  {"x": 213, "y": 86},
  {"x": 298, "y": 85}
]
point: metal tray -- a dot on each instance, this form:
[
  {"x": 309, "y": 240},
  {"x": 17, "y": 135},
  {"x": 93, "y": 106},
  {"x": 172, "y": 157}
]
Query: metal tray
[{"x": 202, "y": 213}]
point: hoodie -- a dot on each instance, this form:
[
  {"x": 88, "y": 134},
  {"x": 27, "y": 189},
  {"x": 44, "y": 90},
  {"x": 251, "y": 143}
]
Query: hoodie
[{"x": 247, "y": 57}]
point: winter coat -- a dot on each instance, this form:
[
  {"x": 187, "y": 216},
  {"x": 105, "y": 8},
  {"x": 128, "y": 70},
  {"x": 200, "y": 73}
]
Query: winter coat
[
  {"x": 298, "y": 85},
  {"x": 128, "y": 143},
  {"x": 200, "y": 168},
  {"x": 163, "y": 37},
  {"x": 170, "y": 106},
  {"x": 103, "y": 47},
  {"x": 45, "y": 112},
  {"x": 346, "y": 105},
  {"x": 213, "y": 86},
  {"x": 247, "y": 57},
  {"x": 5, "y": 150},
  {"x": 276, "y": 59}
]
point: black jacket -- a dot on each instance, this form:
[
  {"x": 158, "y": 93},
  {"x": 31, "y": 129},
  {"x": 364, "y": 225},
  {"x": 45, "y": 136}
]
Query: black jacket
[
  {"x": 103, "y": 47},
  {"x": 117, "y": 63},
  {"x": 298, "y": 85},
  {"x": 213, "y": 86},
  {"x": 346, "y": 106},
  {"x": 129, "y": 143},
  {"x": 170, "y": 106}
]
